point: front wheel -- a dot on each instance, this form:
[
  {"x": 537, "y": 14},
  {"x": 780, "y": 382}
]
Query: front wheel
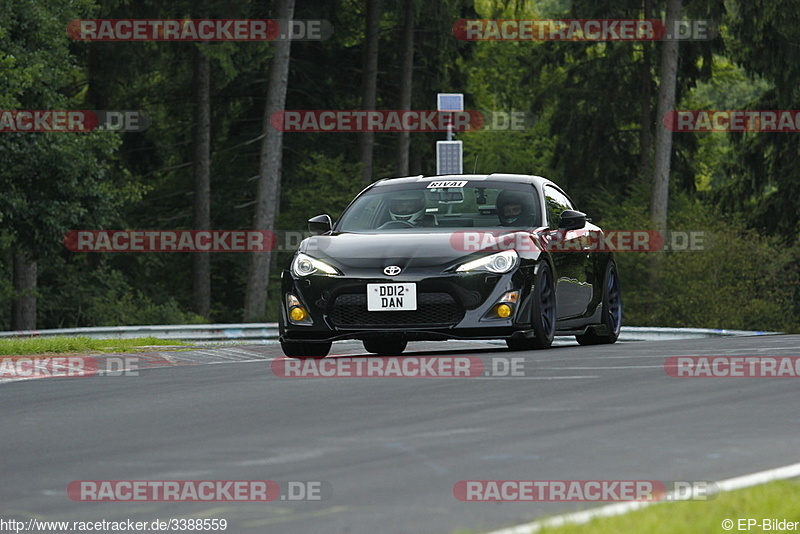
[
  {"x": 303, "y": 349},
  {"x": 543, "y": 313},
  {"x": 611, "y": 315}
]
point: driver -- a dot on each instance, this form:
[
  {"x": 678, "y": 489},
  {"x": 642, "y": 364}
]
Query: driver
[
  {"x": 409, "y": 206},
  {"x": 515, "y": 208}
]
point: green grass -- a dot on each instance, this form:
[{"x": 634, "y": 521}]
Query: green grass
[
  {"x": 59, "y": 345},
  {"x": 777, "y": 500}
]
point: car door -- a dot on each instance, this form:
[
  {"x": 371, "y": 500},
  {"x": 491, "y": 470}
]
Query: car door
[{"x": 572, "y": 263}]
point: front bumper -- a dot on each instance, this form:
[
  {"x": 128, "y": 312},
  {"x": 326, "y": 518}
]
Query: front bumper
[{"x": 449, "y": 306}]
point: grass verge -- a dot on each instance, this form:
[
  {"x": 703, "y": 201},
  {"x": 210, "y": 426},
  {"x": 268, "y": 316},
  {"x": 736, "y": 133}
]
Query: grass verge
[
  {"x": 59, "y": 345},
  {"x": 779, "y": 500}
]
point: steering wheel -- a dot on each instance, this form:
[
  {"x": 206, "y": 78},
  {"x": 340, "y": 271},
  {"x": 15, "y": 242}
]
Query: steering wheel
[{"x": 396, "y": 224}]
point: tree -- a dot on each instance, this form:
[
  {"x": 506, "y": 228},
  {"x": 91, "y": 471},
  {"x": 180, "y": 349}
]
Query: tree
[
  {"x": 668, "y": 76},
  {"x": 406, "y": 84},
  {"x": 269, "y": 182},
  {"x": 764, "y": 177},
  {"x": 202, "y": 176},
  {"x": 23, "y": 307},
  {"x": 52, "y": 182},
  {"x": 369, "y": 90},
  {"x": 646, "y": 80},
  {"x": 161, "y": 78}
]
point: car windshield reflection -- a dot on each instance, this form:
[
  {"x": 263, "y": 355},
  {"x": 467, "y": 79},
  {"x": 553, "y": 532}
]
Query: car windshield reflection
[{"x": 393, "y": 209}]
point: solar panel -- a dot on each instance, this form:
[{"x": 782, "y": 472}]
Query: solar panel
[
  {"x": 450, "y": 102},
  {"x": 449, "y": 157}
]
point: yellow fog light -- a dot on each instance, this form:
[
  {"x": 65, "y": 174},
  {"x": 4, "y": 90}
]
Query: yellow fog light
[
  {"x": 298, "y": 314},
  {"x": 503, "y": 310}
]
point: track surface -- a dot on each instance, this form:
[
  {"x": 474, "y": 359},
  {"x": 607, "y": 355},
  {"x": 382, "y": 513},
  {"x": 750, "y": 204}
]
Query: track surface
[{"x": 392, "y": 449}]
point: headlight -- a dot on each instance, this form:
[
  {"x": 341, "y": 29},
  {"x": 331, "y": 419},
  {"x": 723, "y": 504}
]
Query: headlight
[
  {"x": 304, "y": 265},
  {"x": 499, "y": 263}
]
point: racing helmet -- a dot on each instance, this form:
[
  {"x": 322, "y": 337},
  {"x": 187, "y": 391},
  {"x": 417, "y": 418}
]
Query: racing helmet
[
  {"x": 408, "y": 206},
  {"x": 513, "y": 207}
]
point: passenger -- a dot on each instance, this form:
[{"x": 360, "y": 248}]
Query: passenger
[{"x": 515, "y": 208}]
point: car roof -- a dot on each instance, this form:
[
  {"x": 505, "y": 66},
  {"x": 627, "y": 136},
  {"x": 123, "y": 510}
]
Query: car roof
[{"x": 494, "y": 177}]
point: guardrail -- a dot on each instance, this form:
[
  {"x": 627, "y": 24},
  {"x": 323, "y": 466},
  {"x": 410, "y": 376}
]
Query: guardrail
[
  {"x": 188, "y": 332},
  {"x": 269, "y": 331},
  {"x": 659, "y": 333}
]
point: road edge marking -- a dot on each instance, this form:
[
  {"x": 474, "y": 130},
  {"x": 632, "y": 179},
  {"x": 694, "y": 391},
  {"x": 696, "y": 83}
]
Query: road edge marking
[{"x": 582, "y": 517}]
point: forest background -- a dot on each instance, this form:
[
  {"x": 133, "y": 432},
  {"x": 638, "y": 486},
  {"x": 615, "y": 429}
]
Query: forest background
[{"x": 210, "y": 148}]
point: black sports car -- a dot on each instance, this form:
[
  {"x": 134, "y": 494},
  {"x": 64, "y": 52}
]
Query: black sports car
[{"x": 497, "y": 256}]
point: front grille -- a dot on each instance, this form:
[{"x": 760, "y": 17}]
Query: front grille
[{"x": 433, "y": 309}]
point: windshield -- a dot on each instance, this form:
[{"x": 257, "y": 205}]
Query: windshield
[{"x": 397, "y": 208}]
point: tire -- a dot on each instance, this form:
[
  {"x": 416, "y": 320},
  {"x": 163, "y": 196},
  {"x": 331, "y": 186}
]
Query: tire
[
  {"x": 386, "y": 346},
  {"x": 611, "y": 315},
  {"x": 543, "y": 313},
  {"x": 303, "y": 350}
]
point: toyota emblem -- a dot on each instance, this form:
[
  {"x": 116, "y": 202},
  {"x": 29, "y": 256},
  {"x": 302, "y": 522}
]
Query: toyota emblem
[{"x": 392, "y": 270}]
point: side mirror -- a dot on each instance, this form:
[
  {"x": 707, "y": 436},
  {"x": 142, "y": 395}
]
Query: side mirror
[
  {"x": 572, "y": 220},
  {"x": 320, "y": 224}
]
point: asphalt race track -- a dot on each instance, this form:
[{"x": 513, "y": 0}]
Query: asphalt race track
[{"x": 390, "y": 450}]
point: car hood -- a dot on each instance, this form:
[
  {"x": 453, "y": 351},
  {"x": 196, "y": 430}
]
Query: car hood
[{"x": 372, "y": 251}]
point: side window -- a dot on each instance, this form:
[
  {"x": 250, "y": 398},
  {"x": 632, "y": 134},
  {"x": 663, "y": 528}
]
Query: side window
[{"x": 556, "y": 203}]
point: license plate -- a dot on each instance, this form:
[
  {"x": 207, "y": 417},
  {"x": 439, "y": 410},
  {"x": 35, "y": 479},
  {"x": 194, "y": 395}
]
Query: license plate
[{"x": 391, "y": 297}]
